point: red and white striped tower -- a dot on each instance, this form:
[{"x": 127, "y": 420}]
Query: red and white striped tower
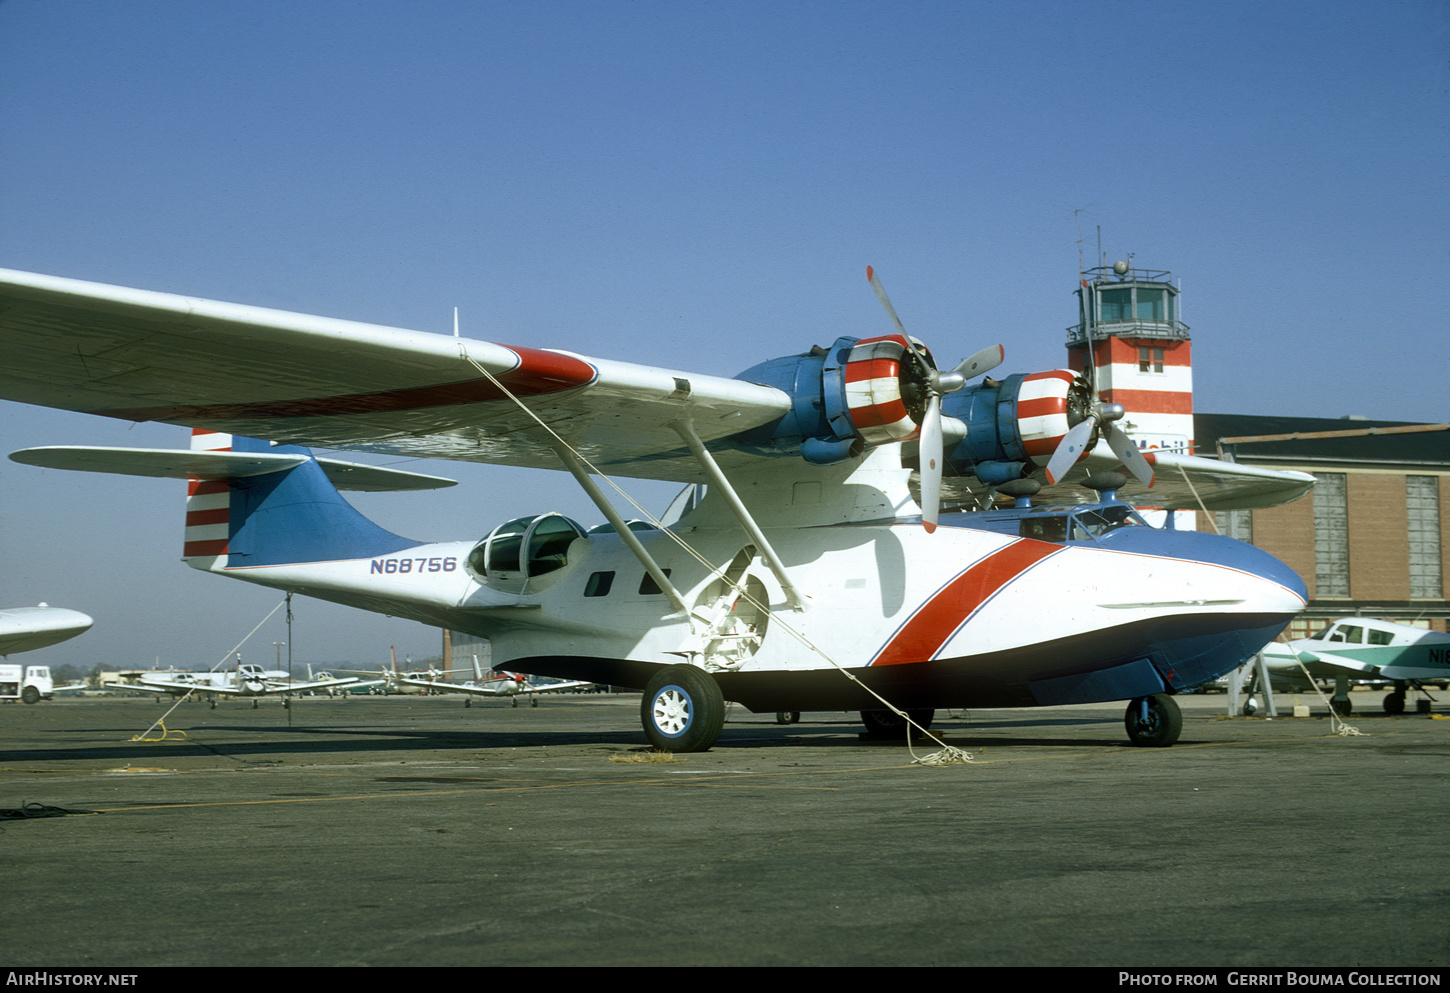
[
  {"x": 1141, "y": 356},
  {"x": 1141, "y": 352}
]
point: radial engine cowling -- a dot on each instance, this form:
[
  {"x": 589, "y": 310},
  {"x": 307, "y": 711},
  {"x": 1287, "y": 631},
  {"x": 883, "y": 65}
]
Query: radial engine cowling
[
  {"x": 867, "y": 392},
  {"x": 1015, "y": 424},
  {"x": 860, "y": 392}
]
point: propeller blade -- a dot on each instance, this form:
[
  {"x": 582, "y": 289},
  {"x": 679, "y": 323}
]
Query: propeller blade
[
  {"x": 917, "y": 358},
  {"x": 986, "y": 360},
  {"x": 930, "y": 449},
  {"x": 1128, "y": 453},
  {"x": 885, "y": 300},
  {"x": 1070, "y": 449}
]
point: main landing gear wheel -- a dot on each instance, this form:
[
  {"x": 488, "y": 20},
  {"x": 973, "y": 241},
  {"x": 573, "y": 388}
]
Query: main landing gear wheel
[
  {"x": 1395, "y": 703},
  {"x": 1343, "y": 707},
  {"x": 889, "y": 725},
  {"x": 1153, "y": 721},
  {"x": 682, "y": 710},
  {"x": 787, "y": 717}
]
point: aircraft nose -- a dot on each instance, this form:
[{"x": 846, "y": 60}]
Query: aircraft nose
[
  {"x": 1217, "y": 550},
  {"x": 1248, "y": 558}
]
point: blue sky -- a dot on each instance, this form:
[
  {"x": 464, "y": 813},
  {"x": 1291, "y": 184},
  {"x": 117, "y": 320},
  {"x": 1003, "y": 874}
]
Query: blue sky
[{"x": 700, "y": 186}]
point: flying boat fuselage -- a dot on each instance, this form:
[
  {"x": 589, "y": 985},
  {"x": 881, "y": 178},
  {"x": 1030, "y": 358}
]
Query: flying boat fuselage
[{"x": 976, "y": 614}]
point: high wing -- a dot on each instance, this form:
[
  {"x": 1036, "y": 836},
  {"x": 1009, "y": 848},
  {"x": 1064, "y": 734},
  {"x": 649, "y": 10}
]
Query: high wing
[
  {"x": 1409, "y": 662},
  {"x": 315, "y": 381},
  {"x": 321, "y": 382},
  {"x": 1181, "y": 482}
]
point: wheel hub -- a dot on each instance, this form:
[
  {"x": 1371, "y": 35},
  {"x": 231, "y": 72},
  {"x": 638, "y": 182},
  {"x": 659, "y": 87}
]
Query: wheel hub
[{"x": 672, "y": 711}]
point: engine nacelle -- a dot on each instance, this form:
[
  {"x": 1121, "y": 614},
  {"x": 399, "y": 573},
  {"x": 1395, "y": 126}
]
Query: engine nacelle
[
  {"x": 859, "y": 392},
  {"x": 869, "y": 391},
  {"x": 1015, "y": 424}
]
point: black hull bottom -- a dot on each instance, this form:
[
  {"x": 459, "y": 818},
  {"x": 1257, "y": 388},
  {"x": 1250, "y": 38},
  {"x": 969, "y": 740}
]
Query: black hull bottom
[{"x": 1166, "y": 654}]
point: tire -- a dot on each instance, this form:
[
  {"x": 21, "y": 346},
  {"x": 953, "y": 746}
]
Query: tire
[
  {"x": 1394, "y": 704},
  {"x": 888, "y": 725},
  {"x": 30, "y": 695},
  {"x": 1160, "y": 727},
  {"x": 1343, "y": 707},
  {"x": 787, "y": 717},
  {"x": 682, "y": 710}
]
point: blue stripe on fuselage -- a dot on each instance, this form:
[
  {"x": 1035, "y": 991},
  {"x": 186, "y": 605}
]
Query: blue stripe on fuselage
[{"x": 1195, "y": 546}]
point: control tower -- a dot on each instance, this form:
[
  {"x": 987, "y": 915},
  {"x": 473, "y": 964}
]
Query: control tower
[{"x": 1137, "y": 352}]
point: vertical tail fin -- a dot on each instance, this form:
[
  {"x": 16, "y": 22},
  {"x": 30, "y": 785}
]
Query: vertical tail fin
[{"x": 276, "y": 516}]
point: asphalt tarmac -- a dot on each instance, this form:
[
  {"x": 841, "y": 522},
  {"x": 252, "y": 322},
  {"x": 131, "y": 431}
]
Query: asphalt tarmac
[{"x": 415, "y": 831}]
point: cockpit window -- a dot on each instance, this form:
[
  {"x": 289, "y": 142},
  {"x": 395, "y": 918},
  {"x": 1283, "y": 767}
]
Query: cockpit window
[
  {"x": 1044, "y": 528},
  {"x": 519, "y": 552},
  {"x": 1081, "y": 526},
  {"x": 549, "y": 541},
  {"x": 1104, "y": 519}
]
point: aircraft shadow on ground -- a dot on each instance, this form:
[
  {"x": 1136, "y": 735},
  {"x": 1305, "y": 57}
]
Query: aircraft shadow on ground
[{"x": 331, "y": 740}]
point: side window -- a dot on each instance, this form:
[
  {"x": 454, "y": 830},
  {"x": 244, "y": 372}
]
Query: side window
[
  {"x": 647, "y": 585},
  {"x": 1043, "y": 528},
  {"x": 1380, "y": 637},
  {"x": 599, "y": 584}
]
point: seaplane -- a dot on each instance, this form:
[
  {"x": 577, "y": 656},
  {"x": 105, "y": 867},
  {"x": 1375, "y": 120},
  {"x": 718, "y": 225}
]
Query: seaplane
[{"x": 858, "y": 528}]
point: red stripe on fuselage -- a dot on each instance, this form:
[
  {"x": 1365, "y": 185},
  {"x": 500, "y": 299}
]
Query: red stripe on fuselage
[
  {"x": 538, "y": 372},
  {"x": 921, "y": 637}
]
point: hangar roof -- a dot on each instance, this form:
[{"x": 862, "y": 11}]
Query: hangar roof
[{"x": 1323, "y": 441}]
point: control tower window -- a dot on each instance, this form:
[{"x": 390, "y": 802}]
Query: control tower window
[
  {"x": 1152, "y": 305},
  {"x": 1117, "y": 306},
  {"x": 1150, "y": 359}
]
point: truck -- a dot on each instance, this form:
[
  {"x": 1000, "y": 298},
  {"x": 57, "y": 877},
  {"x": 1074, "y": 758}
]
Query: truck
[{"x": 28, "y": 683}]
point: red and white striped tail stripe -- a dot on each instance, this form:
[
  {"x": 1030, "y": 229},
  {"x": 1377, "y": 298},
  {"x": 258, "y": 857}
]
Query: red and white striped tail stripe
[{"x": 208, "y": 503}]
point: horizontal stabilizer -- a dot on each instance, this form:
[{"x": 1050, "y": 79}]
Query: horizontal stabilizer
[{"x": 178, "y": 464}]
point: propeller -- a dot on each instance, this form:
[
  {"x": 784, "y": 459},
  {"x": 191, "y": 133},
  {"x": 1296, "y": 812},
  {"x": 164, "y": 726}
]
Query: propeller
[
  {"x": 935, "y": 384},
  {"x": 1103, "y": 418}
]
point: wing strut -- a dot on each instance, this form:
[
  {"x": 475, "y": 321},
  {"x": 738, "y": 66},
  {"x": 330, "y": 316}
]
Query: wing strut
[
  {"x": 575, "y": 467},
  {"x": 742, "y": 514}
]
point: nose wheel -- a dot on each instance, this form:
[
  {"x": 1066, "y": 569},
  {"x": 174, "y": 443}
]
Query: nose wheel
[{"x": 1153, "y": 721}]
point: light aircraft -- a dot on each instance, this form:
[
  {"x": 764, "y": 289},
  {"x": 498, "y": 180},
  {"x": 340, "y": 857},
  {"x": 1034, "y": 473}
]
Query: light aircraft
[
  {"x": 807, "y": 565},
  {"x": 506, "y": 684},
  {"x": 24, "y": 629},
  {"x": 1364, "y": 648},
  {"x": 245, "y": 679}
]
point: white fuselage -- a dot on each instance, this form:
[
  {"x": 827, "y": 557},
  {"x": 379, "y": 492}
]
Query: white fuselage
[{"x": 878, "y": 597}]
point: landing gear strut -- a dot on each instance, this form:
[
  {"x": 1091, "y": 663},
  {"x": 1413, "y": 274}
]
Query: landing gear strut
[{"x": 1153, "y": 721}]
